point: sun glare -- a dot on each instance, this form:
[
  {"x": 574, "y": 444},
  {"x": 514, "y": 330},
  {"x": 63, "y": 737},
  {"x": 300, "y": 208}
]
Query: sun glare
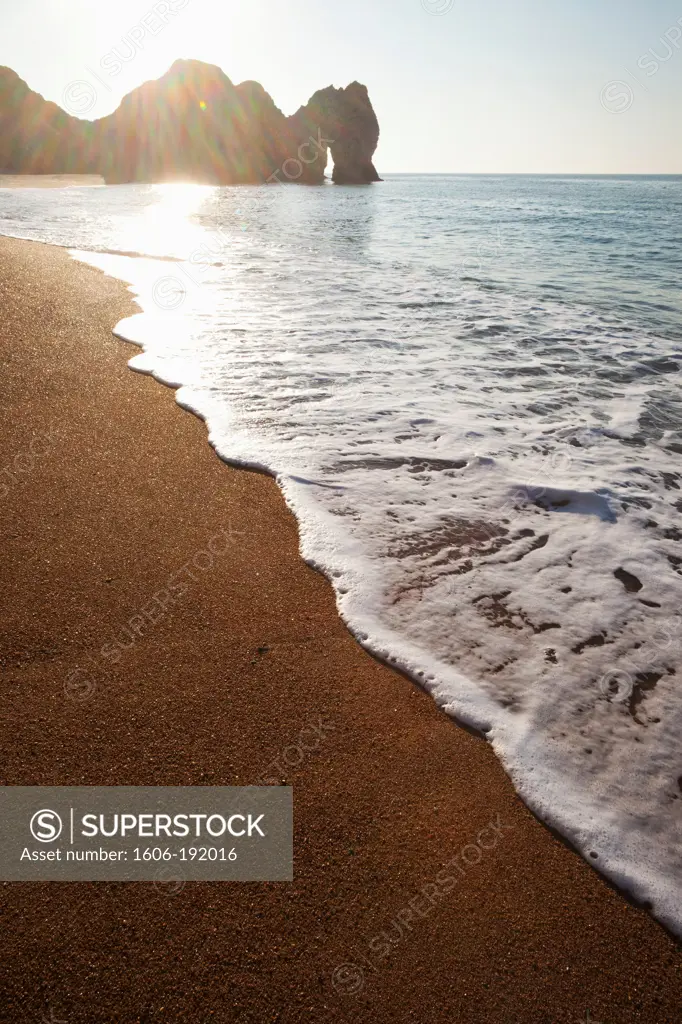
[
  {"x": 182, "y": 197},
  {"x": 170, "y": 218}
]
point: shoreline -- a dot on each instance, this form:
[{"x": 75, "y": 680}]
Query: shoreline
[
  {"x": 51, "y": 181},
  {"x": 129, "y": 491},
  {"x": 639, "y": 887}
]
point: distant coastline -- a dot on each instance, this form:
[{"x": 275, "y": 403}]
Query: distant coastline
[{"x": 193, "y": 124}]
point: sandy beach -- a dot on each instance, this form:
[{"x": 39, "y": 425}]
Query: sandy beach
[
  {"x": 109, "y": 489},
  {"x": 50, "y": 180}
]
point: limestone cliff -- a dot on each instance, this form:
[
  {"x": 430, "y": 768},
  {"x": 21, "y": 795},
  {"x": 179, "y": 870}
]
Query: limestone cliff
[
  {"x": 192, "y": 124},
  {"x": 347, "y": 119},
  {"x": 34, "y": 134}
]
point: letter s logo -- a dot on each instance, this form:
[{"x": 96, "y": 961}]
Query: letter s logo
[
  {"x": 46, "y": 826},
  {"x": 617, "y": 97}
]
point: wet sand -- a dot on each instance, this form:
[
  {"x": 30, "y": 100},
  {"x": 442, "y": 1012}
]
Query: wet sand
[
  {"x": 108, "y": 489},
  {"x": 49, "y": 180}
]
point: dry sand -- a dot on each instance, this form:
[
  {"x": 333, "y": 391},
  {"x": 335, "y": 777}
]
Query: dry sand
[{"x": 236, "y": 677}]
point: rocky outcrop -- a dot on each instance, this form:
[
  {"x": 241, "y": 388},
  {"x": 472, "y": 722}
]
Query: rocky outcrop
[
  {"x": 347, "y": 119},
  {"x": 34, "y": 134},
  {"x": 192, "y": 124}
]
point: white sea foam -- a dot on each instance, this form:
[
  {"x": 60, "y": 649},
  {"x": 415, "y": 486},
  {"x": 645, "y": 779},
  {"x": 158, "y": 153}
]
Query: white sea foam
[{"x": 487, "y": 472}]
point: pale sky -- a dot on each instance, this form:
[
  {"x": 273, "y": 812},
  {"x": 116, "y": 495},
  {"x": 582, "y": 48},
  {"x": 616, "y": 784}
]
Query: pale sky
[{"x": 490, "y": 86}]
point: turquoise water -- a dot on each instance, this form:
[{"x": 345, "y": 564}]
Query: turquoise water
[{"x": 613, "y": 242}]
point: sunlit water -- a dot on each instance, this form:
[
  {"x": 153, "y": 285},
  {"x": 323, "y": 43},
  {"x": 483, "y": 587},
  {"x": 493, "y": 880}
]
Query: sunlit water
[{"x": 469, "y": 391}]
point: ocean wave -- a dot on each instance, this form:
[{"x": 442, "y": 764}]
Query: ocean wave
[{"x": 487, "y": 473}]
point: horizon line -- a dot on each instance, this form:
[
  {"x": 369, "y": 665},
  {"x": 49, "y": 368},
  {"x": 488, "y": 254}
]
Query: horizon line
[{"x": 541, "y": 174}]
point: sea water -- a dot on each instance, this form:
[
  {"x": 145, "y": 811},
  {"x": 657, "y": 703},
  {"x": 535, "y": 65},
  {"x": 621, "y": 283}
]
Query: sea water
[{"x": 468, "y": 389}]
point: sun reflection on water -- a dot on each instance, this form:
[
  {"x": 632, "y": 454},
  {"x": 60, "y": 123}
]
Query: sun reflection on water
[{"x": 170, "y": 219}]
